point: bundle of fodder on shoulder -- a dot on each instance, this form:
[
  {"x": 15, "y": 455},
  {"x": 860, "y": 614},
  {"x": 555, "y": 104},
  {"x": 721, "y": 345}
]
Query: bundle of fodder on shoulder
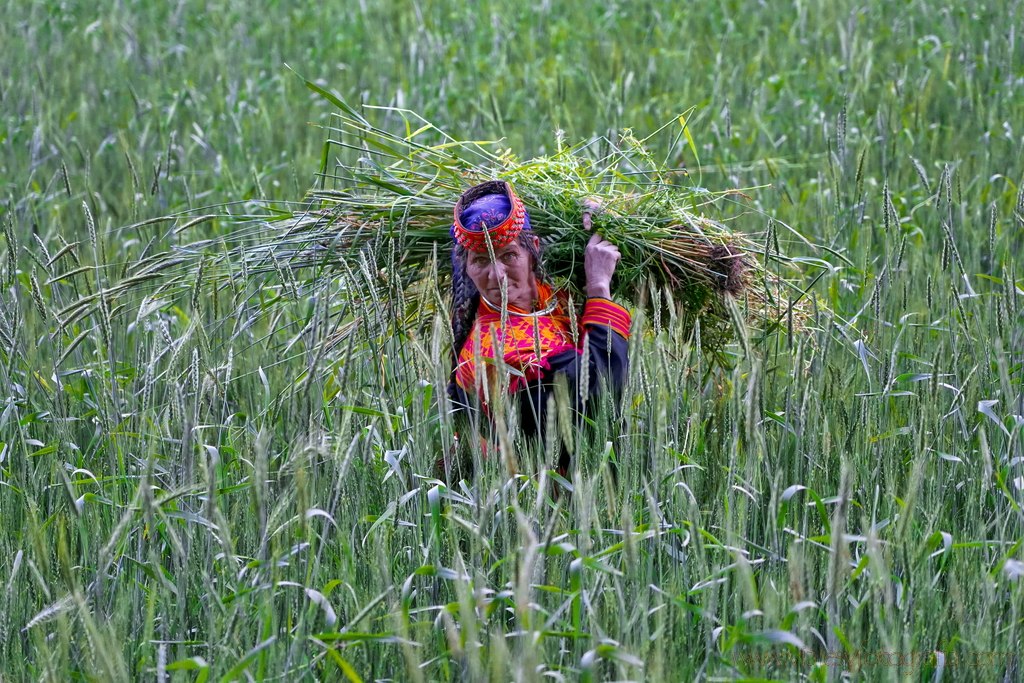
[
  {"x": 376, "y": 229},
  {"x": 381, "y": 187}
]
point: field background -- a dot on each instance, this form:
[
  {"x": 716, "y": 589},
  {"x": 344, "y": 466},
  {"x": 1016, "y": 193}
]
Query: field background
[{"x": 185, "y": 497}]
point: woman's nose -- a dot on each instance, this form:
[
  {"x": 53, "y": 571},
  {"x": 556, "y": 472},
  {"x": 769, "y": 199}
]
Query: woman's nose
[{"x": 496, "y": 272}]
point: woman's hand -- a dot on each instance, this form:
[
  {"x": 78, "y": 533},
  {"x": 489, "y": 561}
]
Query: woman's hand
[{"x": 599, "y": 259}]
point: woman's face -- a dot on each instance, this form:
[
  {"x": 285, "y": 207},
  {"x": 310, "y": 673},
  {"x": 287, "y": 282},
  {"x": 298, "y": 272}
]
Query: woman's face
[{"x": 513, "y": 266}]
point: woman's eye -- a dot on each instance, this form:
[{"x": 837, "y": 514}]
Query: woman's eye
[{"x": 510, "y": 257}]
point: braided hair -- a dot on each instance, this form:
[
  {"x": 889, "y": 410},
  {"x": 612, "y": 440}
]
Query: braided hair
[{"x": 466, "y": 298}]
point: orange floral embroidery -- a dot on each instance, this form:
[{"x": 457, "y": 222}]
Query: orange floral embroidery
[{"x": 526, "y": 341}]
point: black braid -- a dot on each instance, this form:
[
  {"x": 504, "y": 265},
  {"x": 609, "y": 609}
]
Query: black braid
[{"x": 466, "y": 298}]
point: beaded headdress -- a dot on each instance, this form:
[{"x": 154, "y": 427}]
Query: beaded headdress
[{"x": 490, "y": 209}]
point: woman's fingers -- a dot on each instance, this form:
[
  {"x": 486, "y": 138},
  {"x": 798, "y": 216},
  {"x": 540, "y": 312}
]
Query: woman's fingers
[
  {"x": 600, "y": 259},
  {"x": 598, "y": 243},
  {"x": 591, "y": 205}
]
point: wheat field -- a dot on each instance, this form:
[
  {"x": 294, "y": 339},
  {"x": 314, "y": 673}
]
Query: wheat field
[{"x": 232, "y": 480}]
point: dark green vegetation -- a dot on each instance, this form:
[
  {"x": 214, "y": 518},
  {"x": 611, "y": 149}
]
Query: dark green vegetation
[{"x": 189, "y": 488}]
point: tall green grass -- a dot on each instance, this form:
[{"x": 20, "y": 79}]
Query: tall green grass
[{"x": 204, "y": 486}]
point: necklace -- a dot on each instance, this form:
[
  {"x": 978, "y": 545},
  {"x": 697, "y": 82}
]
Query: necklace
[{"x": 552, "y": 304}]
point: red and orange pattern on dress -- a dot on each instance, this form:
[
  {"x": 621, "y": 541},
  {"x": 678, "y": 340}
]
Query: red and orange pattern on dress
[{"x": 528, "y": 341}]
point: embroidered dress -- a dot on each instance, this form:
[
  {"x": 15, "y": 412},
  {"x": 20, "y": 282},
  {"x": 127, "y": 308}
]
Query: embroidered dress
[
  {"x": 525, "y": 342},
  {"x": 530, "y": 340},
  {"x": 604, "y": 328}
]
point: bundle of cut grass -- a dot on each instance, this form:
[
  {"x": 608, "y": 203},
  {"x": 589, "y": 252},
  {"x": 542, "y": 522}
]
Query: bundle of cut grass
[
  {"x": 382, "y": 211},
  {"x": 402, "y": 188}
]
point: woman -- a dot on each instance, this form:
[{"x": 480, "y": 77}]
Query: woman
[{"x": 506, "y": 317}]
